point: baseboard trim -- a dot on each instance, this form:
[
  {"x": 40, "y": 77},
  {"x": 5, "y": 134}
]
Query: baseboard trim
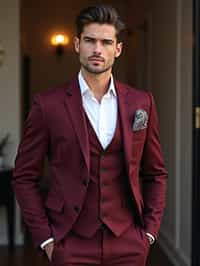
[{"x": 19, "y": 240}]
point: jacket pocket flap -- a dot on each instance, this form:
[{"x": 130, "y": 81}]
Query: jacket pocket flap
[{"x": 54, "y": 203}]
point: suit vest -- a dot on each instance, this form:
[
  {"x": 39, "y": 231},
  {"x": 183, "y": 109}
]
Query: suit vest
[{"x": 108, "y": 194}]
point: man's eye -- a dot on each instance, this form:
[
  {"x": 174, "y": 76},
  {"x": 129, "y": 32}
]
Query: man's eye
[
  {"x": 89, "y": 40},
  {"x": 107, "y": 42}
]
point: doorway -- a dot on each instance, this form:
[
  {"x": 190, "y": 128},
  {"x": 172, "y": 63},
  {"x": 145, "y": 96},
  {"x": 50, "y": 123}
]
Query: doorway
[{"x": 196, "y": 136}]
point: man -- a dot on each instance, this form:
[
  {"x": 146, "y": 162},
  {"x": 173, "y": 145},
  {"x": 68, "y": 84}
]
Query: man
[{"x": 99, "y": 136}]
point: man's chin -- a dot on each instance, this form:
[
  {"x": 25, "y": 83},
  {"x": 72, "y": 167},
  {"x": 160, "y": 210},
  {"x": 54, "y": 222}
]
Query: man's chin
[{"x": 95, "y": 70}]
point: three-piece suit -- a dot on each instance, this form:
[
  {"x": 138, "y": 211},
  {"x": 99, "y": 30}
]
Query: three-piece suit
[{"x": 101, "y": 202}]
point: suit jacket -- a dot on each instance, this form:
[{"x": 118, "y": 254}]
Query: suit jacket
[{"x": 56, "y": 128}]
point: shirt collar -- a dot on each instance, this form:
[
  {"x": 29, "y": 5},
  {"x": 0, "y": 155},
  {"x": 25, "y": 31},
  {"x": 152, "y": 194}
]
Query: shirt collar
[{"x": 84, "y": 88}]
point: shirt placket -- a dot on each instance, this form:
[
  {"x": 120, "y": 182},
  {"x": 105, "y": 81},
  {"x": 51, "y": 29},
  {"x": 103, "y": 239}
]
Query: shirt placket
[{"x": 103, "y": 122}]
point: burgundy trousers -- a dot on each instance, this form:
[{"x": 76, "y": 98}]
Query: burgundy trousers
[{"x": 104, "y": 249}]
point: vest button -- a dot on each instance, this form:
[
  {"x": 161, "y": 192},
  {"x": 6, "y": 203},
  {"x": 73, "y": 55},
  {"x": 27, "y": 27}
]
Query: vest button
[
  {"x": 103, "y": 200},
  {"x": 103, "y": 215},
  {"x": 103, "y": 170},
  {"x": 76, "y": 208}
]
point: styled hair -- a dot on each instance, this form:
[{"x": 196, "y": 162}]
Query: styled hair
[{"x": 102, "y": 14}]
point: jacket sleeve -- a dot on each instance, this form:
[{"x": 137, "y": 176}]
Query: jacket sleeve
[
  {"x": 28, "y": 168},
  {"x": 154, "y": 175}
]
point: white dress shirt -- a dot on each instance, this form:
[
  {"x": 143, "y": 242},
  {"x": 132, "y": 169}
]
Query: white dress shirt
[{"x": 103, "y": 118}]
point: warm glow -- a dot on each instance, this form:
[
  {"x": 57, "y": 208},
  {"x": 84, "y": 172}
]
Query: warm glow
[{"x": 59, "y": 39}]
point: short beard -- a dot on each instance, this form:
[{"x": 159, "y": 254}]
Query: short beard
[{"x": 96, "y": 71}]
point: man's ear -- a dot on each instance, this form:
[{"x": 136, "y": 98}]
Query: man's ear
[
  {"x": 76, "y": 44},
  {"x": 119, "y": 48}
]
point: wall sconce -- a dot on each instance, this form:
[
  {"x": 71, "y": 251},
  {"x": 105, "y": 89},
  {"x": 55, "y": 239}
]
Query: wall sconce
[
  {"x": 2, "y": 54},
  {"x": 59, "y": 41}
]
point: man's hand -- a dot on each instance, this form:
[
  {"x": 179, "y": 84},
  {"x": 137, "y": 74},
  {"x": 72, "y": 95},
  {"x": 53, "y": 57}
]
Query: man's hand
[{"x": 49, "y": 250}]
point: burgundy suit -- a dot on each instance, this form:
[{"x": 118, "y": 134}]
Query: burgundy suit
[{"x": 57, "y": 127}]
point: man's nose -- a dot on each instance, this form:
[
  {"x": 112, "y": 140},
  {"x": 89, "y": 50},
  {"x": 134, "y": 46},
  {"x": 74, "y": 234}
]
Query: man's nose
[{"x": 97, "y": 48}]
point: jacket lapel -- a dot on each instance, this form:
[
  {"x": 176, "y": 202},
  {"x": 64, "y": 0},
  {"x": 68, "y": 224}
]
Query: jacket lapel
[
  {"x": 73, "y": 103},
  {"x": 125, "y": 116}
]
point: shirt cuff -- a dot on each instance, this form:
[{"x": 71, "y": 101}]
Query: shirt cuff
[
  {"x": 151, "y": 238},
  {"x": 46, "y": 242}
]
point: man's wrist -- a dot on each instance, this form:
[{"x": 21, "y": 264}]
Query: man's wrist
[
  {"x": 45, "y": 243},
  {"x": 48, "y": 249}
]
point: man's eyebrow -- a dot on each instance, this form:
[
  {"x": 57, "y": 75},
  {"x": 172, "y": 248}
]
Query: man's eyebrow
[
  {"x": 89, "y": 37},
  {"x": 93, "y": 38}
]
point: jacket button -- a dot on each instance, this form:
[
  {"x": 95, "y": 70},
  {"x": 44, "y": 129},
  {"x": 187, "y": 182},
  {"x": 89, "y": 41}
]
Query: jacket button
[
  {"x": 102, "y": 226},
  {"x": 85, "y": 182},
  {"x": 76, "y": 208},
  {"x": 103, "y": 155},
  {"x": 103, "y": 215},
  {"x": 103, "y": 184}
]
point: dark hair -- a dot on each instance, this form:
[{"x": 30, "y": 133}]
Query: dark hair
[{"x": 102, "y": 14}]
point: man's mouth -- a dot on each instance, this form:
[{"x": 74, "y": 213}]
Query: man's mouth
[{"x": 96, "y": 59}]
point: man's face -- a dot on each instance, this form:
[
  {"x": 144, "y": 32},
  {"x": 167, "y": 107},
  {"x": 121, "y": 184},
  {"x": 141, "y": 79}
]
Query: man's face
[{"x": 98, "y": 47}]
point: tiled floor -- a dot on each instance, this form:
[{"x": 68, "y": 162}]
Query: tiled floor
[{"x": 29, "y": 257}]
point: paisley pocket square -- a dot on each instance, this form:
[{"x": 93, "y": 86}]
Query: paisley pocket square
[{"x": 140, "y": 120}]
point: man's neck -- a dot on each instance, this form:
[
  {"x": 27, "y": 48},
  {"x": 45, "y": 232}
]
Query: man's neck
[{"x": 98, "y": 83}]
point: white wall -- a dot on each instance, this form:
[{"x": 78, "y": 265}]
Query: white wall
[
  {"x": 10, "y": 74},
  {"x": 9, "y": 85},
  {"x": 171, "y": 81},
  {"x": 186, "y": 128}
]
